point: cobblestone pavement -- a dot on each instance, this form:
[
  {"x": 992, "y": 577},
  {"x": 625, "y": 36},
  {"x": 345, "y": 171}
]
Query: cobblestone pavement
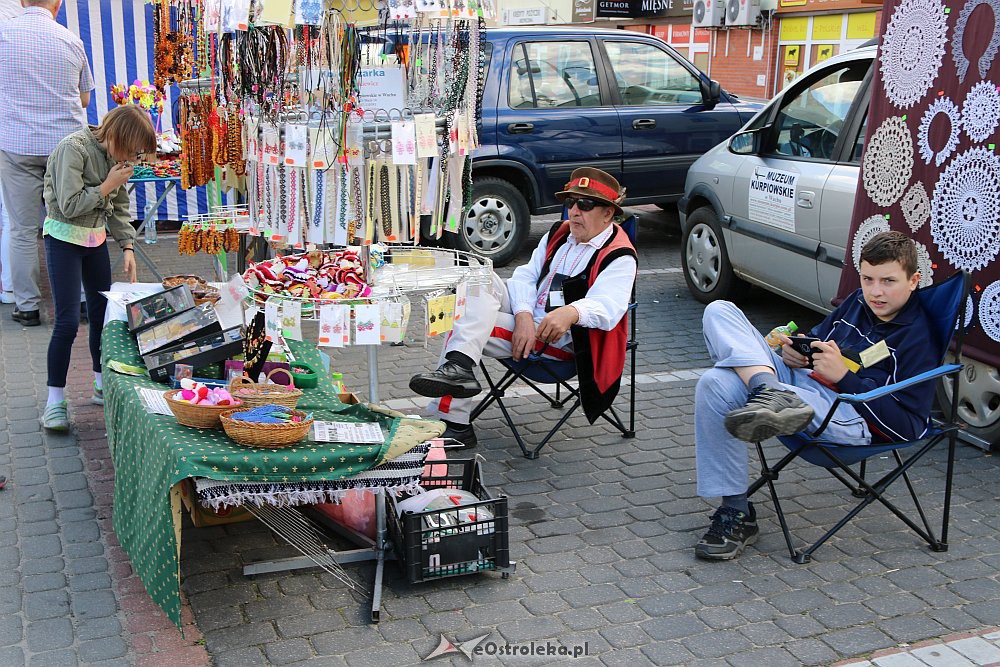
[{"x": 602, "y": 531}]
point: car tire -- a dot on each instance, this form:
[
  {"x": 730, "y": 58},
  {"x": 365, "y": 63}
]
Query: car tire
[
  {"x": 705, "y": 260},
  {"x": 978, "y": 400},
  {"x": 497, "y": 223}
]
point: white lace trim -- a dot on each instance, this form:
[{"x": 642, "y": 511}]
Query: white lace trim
[
  {"x": 924, "y": 265},
  {"x": 958, "y": 40},
  {"x": 867, "y": 230},
  {"x": 888, "y": 161},
  {"x": 941, "y": 106},
  {"x": 916, "y": 206},
  {"x": 912, "y": 50},
  {"x": 989, "y": 310},
  {"x": 981, "y": 111},
  {"x": 965, "y": 210},
  {"x": 970, "y": 309}
]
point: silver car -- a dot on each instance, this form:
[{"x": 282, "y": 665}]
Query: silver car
[{"x": 774, "y": 208}]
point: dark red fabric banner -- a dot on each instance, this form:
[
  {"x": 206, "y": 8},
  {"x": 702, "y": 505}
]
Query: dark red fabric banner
[{"x": 931, "y": 165}]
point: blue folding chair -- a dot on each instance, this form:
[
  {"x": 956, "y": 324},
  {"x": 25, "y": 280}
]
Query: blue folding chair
[
  {"x": 536, "y": 370},
  {"x": 945, "y": 303}
]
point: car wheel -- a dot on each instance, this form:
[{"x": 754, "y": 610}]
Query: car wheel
[
  {"x": 978, "y": 399},
  {"x": 497, "y": 223},
  {"x": 705, "y": 261}
]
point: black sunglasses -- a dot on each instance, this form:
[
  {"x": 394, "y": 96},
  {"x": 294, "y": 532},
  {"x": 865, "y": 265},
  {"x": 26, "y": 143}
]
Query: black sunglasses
[{"x": 582, "y": 203}]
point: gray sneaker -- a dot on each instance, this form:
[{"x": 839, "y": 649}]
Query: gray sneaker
[
  {"x": 731, "y": 532},
  {"x": 98, "y": 397},
  {"x": 56, "y": 417},
  {"x": 769, "y": 412}
]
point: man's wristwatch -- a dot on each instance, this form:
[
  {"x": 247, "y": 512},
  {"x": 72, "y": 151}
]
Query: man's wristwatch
[{"x": 130, "y": 249}]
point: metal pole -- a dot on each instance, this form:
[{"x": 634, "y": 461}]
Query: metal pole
[{"x": 373, "y": 373}]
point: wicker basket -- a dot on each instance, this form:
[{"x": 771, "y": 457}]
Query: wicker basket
[
  {"x": 268, "y": 436},
  {"x": 255, "y": 395},
  {"x": 197, "y": 416}
]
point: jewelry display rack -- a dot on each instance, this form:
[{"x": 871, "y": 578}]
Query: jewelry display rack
[{"x": 406, "y": 271}]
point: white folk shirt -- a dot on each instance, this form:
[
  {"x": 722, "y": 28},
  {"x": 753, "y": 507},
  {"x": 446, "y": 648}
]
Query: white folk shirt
[{"x": 606, "y": 300}]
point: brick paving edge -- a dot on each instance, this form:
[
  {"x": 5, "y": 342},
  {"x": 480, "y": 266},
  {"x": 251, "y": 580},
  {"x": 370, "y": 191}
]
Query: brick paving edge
[
  {"x": 906, "y": 648},
  {"x": 152, "y": 638}
]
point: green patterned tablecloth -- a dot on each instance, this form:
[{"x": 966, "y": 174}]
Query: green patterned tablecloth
[{"x": 153, "y": 453}]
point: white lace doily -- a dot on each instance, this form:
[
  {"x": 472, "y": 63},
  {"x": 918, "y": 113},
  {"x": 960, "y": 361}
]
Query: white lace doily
[
  {"x": 867, "y": 230},
  {"x": 970, "y": 309},
  {"x": 989, "y": 310},
  {"x": 916, "y": 206},
  {"x": 912, "y": 50},
  {"x": 888, "y": 161},
  {"x": 958, "y": 39},
  {"x": 942, "y": 106},
  {"x": 981, "y": 111},
  {"x": 965, "y": 210},
  {"x": 924, "y": 265}
]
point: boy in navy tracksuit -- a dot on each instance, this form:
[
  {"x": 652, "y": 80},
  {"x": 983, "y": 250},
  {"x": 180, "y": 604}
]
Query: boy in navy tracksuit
[{"x": 879, "y": 335}]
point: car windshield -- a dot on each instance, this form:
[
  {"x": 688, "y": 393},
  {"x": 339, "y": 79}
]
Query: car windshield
[{"x": 824, "y": 106}]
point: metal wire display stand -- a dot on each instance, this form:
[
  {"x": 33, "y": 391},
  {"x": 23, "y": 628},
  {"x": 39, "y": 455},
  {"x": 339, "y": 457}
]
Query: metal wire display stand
[
  {"x": 303, "y": 529},
  {"x": 407, "y": 271}
]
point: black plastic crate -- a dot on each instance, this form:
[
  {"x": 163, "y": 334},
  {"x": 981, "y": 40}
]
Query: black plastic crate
[{"x": 428, "y": 552}]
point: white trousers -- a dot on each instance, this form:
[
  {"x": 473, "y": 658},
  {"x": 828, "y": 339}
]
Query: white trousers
[{"x": 486, "y": 330}]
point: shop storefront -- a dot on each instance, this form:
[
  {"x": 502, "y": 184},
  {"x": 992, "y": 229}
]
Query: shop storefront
[{"x": 805, "y": 38}]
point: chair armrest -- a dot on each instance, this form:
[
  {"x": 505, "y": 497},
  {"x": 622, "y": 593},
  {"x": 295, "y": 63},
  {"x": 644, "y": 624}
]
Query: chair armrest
[{"x": 941, "y": 371}]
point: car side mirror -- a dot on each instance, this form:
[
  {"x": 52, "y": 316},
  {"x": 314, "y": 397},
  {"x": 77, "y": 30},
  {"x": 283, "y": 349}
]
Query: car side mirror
[
  {"x": 711, "y": 93},
  {"x": 746, "y": 143}
]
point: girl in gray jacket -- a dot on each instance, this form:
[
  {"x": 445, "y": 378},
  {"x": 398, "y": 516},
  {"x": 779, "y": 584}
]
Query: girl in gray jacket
[{"x": 85, "y": 198}]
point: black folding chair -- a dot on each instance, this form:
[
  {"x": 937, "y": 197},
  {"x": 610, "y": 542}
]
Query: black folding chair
[
  {"x": 536, "y": 370},
  {"x": 945, "y": 303}
]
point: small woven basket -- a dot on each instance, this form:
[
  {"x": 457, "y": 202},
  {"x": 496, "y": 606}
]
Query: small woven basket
[
  {"x": 269, "y": 436},
  {"x": 255, "y": 395},
  {"x": 197, "y": 416}
]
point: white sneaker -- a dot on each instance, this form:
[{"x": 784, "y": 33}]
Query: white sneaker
[
  {"x": 56, "y": 417},
  {"x": 6, "y": 297}
]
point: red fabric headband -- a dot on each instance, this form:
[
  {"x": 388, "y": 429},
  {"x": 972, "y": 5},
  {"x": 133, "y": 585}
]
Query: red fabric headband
[{"x": 605, "y": 191}]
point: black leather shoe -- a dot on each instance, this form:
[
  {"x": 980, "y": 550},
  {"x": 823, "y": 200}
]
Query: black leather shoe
[
  {"x": 449, "y": 379},
  {"x": 459, "y": 433},
  {"x": 28, "y": 318}
]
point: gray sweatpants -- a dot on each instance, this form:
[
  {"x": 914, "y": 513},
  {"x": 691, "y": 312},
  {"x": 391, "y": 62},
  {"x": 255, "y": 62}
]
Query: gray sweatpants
[
  {"x": 722, "y": 460},
  {"x": 22, "y": 178}
]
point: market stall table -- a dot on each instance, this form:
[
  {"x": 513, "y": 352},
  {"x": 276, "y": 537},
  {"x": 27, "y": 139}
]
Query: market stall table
[
  {"x": 153, "y": 454},
  {"x": 149, "y": 218}
]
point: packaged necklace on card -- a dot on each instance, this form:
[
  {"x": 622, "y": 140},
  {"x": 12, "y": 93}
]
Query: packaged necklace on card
[
  {"x": 296, "y": 141},
  {"x": 404, "y": 143},
  {"x": 395, "y": 318},
  {"x": 291, "y": 319},
  {"x": 353, "y": 138},
  {"x": 440, "y": 314},
  {"x": 293, "y": 206},
  {"x": 367, "y": 324},
  {"x": 333, "y": 325},
  {"x": 424, "y": 135}
]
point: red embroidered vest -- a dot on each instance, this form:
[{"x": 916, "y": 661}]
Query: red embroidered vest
[{"x": 600, "y": 355}]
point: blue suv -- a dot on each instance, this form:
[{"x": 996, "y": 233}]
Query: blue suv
[{"x": 560, "y": 98}]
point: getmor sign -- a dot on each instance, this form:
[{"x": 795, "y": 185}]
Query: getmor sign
[{"x": 633, "y": 9}]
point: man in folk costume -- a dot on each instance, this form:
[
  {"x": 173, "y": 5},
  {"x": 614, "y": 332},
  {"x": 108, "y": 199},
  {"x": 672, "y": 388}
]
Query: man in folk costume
[{"x": 569, "y": 301}]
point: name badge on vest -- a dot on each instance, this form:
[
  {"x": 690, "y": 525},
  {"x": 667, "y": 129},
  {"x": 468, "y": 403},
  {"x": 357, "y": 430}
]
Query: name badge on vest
[{"x": 556, "y": 298}]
